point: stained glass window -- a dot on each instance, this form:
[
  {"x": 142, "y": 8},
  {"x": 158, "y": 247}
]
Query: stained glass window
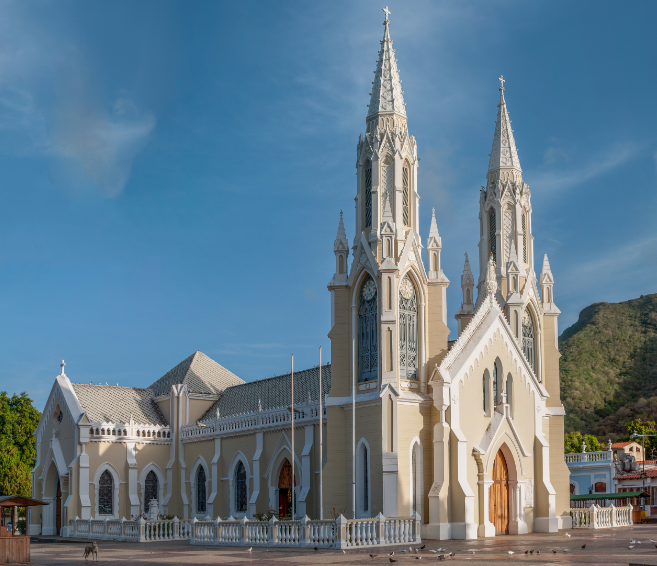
[
  {"x": 201, "y": 490},
  {"x": 368, "y": 194},
  {"x": 368, "y": 349},
  {"x": 407, "y": 330},
  {"x": 240, "y": 488},
  {"x": 528, "y": 338},
  {"x": 405, "y": 195},
  {"x": 106, "y": 494},
  {"x": 150, "y": 489},
  {"x": 492, "y": 229}
]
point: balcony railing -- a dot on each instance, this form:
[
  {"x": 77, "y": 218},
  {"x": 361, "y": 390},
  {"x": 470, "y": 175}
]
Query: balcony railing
[
  {"x": 601, "y": 517},
  {"x": 584, "y": 457},
  {"x": 131, "y": 531}
]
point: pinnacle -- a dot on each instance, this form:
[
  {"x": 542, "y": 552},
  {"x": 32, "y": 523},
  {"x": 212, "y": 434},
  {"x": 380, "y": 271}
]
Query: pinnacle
[
  {"x": 504, "y": 154},
  {"x": 433, "y": 230},
  {"x": 513, "y": 255},
  {"x": 546, "y": 265},
  {"x": 466, "y": 267},
  {"x": 386, "y": 94},
  {"x": 341, "y": 236}
]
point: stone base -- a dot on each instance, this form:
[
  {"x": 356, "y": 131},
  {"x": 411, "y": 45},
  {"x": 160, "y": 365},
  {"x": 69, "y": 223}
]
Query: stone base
[
  {"x": 518, "y": 528},
  {"x": 437, "y": 531},
  {"x": 464, "y": 531},
  {"x": 486, "y": 530},
  {"x": 546, "y": 524},
  {"x": 565, "y": 522}
]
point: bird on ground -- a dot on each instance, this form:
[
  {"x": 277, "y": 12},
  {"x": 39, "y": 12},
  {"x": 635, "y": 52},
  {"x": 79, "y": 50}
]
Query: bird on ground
[
  {"x": 392, "y": 553},
  {"x": 249, "y": 549},
  {"x": 566, "y": 550},
  {"x": 344, "y": 552},
  {"x": 373, "y": 555},
  {"x": 632, "y": 541},
  {"x": 531, "y": 552},
  {"x": 653, "y": 540},
  {"x": 554, "y": 551},
  {"x": 526, "y": 551},
  {"x": 441, "y": 557},
  {"x": 316, "y": 549},
  {"x": 391, "y": 559},
  {"x": 430, "y": 550},
  {"x": 417, "y": 550},
  {"x": 410, "y": 549},
  {"x": 583, "y": 546},
  {"x": 418, "y": 558},
  {"x": 403, "y": 550},
  {"x": 510, "y": 552},
  {"x": 538, "y": 552},
  {"x": 631, "y": 547},
  {"x": 638, "y": 542},
  {"x": 422, "y": 547},
  {"x": 472, "y": 552},
  {"x": 567, "y": 535}
]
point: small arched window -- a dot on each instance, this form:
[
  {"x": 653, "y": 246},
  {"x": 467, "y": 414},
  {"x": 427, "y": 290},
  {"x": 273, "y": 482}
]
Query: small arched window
[
  {"x": 468, "y": 298},
  {"x": 434, "y": 262},
  {"x": 483, "y": 387},
  {"x": 528, "y": 338},
  {"x": 368, "y": 358},
  {"x": 106, "y": 494},
  {"x": 150, "y": 489},
  {"x": 340, "y": 264},
  {"x": 240, "y": 488},
  {"x": 405, "y": 195},
  {"x": 368, "y": 194},
  {"x": 495, "y": 389},
  {"x": 509, "y": 394},
  {"x": 201, "y": 490},
  {"x": 492, "y": 230},
  {"x": 508, "y": 232},
  {"x": 407, "y": 329}
]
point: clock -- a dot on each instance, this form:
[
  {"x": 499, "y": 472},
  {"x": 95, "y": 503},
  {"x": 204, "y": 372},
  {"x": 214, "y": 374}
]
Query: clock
[
  {"x": 369, "y": 290},
  {"x": 406, "y": 288}
]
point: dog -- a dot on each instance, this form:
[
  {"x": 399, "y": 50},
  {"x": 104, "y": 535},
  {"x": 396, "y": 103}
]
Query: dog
[{"x": 91, "y": 549}]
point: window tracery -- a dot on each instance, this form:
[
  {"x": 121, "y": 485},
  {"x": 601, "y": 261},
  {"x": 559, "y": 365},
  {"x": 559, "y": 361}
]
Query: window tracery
[
  {"x": 240, "y": 488},
  {"x": 407, "y": 329},
  {"x": 524, "y": 236},
  {"x": 106, "y": 494},
  {"x": 528, "y": 338},
  {"x": 150, "y": 489},
  {"x": 368, "y": 351},
  {"x": 405, "y": 195},
  {"x": 387, "y": 178},
  {"x": 508, "y": 232},
  {"x": 492, "y": 229},
  {"x": 368, "y": 194},
  {"x": 201, "y": 492}
]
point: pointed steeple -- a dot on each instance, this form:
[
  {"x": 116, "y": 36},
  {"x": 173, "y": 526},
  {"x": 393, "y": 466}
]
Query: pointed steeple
[
  {"x": 547, "y": 285},
  {"x": 466, "y": 310},
  {"x": 504, "y": 154},
  {"x": 387, "y": 96},
  {"x": 341, "y": 241},
  {"x": 341, "y": 251},
  {"x": 467, "y": 278},
  {"x": 433, "y": 231}
]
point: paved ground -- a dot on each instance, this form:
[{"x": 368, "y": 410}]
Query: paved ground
[{"x": 604, "y": 546}]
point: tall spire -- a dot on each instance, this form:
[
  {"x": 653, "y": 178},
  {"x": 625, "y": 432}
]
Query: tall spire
[
  {"x": 387, "y": 95},
  {"x": 341, "y": 242},
  {"x": 433, "y": 229},
  {"x": 504, "y": 154}
]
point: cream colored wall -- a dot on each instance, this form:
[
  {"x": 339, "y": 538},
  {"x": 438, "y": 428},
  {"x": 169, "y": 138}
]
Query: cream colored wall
[
  {"x": 437, "y": 331},
  {"x": 340, "y": 336},
  {"x": 165, "y": 407},
  {"x": 337, "y": 468},
  {"x": 550, "y": 365},
  {"x": 114, "y": 453},
  {"x": 197, "y": 407},
  {"x": 413, "y": 421}
]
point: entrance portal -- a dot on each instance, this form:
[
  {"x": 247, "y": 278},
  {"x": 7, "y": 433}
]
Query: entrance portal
[
  {"x": 499, "y": 496},
  {"x": 285, "y": 490},
  {"x": 58, "y": 509}
]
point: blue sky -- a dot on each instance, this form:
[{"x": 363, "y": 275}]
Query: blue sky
[{"x": 173, "y": 172}]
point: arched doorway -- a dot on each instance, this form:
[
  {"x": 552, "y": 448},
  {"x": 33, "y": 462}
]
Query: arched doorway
[
  {"x": 58, "y": 509},
  {"x": 285, "y": 490},
  {"x": 499, "y": 496}
]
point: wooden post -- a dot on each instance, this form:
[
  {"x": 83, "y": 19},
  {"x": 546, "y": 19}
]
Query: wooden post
[{"x": 14, "y": 520}]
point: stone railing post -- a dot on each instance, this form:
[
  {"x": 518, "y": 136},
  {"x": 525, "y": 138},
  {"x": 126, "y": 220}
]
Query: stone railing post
[
  {"x": 193, "y": 535},
  {"x": 418, "y": 527},
  {"x": 380, "y": 529},
  {"x": 89, "y": 533},
  {"x": 75, "y": 525},
  {"x": 305, "y": 530},
  {"x": 142, "y": 530},
  {"x": 273, "y": 531},
  {"x": 176, "y": 528},
  {"x": 343, "y": 535},
  {"x": 594, "y": 516},
  {"x": 216, "y": 530},
  {"x": 244, "y": 535},
  {"x": 122, "y": 529},
  {"x": 613, "y": 515},
  {"x": 104, "y": 535}
]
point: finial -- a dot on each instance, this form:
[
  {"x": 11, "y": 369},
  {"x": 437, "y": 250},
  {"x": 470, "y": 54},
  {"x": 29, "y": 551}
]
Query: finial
[
  {"x": 502, "y": 81},
  {"x": 62, "y": 365},
  {"x": 340, "y": 214},
  {"x": 433, "y": 211},
  {"x": 387, "y": 13}
]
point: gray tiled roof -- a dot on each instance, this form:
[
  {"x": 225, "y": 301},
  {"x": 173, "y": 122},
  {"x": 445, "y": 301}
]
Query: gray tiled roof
[
  {"x": 107, "y": 403},
  {"x": 201, "y": 375},
  {"x": 272, "y": 393}
]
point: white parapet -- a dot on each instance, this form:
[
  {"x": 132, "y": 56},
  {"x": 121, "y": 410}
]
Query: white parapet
[{"x": 601, "y": 517}]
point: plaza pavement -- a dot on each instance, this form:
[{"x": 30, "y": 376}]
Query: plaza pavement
[{"x": 604, "y": 546}]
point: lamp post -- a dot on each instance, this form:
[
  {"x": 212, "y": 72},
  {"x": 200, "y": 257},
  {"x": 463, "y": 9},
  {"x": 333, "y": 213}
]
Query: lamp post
[{"x": 643, "y": 450}]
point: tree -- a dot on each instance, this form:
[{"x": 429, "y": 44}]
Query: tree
[
  {"x": 573, "y": 442},
  {"x": 640, "y": 426},
  {"x": 18, "y": 421}
]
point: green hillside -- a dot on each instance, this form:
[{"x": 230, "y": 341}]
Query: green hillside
[{"x": 609, "y": 366}]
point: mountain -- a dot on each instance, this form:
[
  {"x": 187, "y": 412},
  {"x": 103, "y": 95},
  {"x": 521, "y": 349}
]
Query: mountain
[{"x": 609, "y": 367}]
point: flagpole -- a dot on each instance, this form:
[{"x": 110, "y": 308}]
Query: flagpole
[
  {"x": 321, "y": 459},
  {"x": 353, "y": 426},
  {"x": 292, "y": 380}
]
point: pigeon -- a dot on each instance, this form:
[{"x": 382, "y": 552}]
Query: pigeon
[
  {"x": 403, "y": 550},
  {"x": 567, "y": 535},
  {"x": 249, "y": 549},
  {"x": 554, "y": 551},
  {"x": 538, "y": 552},
  {"x": 422, "y": 547},
  {"x": 417, "y": 550},
  {"x": 632, "y": 541},
  {"x": 418, "y": 558},
  {"x": 432, "y": 550},
  {"x": 441, "y": 557},
  {"x": 344, "y": 552},
  {"x": 653, "y": 540},
  {"x": 472, "y": 552},
  {"x": 373, "y": 555},
  {"x": 631, "y": 547},
  {"x": 510, "y": 552},
  {"x": 638, "y": 542},
  {"x": 526, "y": 551},
  {"x": 391, "y": 559},
  {"x": 531, "y": 552},
  {"x": 391, "y": 553},
  {"x": 316, "y": 549},
  {"x": 410, "y": 549},
  {"x": 566, "y": 550},
  {"x": 583, "y": 546}
]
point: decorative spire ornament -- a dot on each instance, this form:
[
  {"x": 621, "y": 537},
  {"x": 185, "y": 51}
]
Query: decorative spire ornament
[{"x": 491, "y": 279}]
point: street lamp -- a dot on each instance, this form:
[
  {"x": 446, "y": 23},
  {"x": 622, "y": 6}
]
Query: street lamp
[{"x": 643, "y": 449}]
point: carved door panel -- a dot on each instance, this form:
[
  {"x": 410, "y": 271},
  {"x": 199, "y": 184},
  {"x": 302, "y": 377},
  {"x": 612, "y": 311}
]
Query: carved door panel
[{"x": 499, "y": 496}]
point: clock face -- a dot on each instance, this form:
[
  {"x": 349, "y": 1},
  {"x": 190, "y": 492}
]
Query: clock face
[
  {"x": 369, "y": 290},
  {"x": 406, "y": 288}
]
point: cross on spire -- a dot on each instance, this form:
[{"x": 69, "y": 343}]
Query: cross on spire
[
  {"x": 62, "y": 365},
  {"x": 387, "y": 13},
  {"x": 502, "y": 81}
]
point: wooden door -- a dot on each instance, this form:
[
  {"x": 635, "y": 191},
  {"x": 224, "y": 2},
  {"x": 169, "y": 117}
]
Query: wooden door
[
  {"x": 58, "y": 508},
  {"x": 499, "y": 496},
  {"x": 285, "y": 489}
]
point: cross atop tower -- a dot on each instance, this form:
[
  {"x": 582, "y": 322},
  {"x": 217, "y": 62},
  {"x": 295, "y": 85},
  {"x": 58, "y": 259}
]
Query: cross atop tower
[
  {"x": 387, "y": 13},
  {"x": 62, "y": 365},
  {"x": 502, "y": 81}
]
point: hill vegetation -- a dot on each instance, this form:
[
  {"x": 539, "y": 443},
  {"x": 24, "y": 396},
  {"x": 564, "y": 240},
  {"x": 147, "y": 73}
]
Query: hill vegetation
[{"x": 609, "y": 367}]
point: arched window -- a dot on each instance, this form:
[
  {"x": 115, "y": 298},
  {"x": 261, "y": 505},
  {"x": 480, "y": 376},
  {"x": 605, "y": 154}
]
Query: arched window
[
  {"x": 495, "y": 391},
  {"x": 468, "y": 298},
  {"x": 150, "y": 489},
  {"x": 492, "y": 229},
  {"x": 240, "y": 488},
  {"x": 201, "y": 491},
  {"x": 387, "y": 181},
  {"x": 508, "y": 232},
  {"x": 340, "y": 264},
  {"x": 434, "y": 262},
  {"x": 528, "y": 338},
  {"x": 391, "y": 431},
  {"x": 106, "y": 494},
  {"x": 407, "y": 330},
  {"x": 509, "y": 393},
  {"x": 600, "y": 487},
  {"x": 483, "y": 386},
  {"x": 368, "y": 350},
  {"x": 405, "y": 195},
  {"x": 368, "y": 194},
  {"x": 366, "y": 481},
  {"x": 524, "y": 236}
]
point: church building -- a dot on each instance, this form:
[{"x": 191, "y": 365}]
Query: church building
[{"x": 467, "y": 433}]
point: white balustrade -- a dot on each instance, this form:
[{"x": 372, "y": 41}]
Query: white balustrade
[
  {"x": 130, "y": 531},
  {"x": 585, "y": 457},
  {"x": 601, "y": 517}
]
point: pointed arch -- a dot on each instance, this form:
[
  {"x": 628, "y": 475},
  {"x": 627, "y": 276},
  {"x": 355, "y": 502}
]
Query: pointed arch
[
  {"x": 387, "y": 181},
  {"x": 154, "y": 469},
  {"x": 368, "y": 193},
  {"x": 406, "y": 183},
  {"x": 239, "y": 484},
  {"x": 363, "y": 479},
  {"x": 492, "y": 231},
  {"x": 200, "y": 480},
  {"x": 529, "y": 334},
  {"x": 416, "y": 477},
  {"x": 408, "y": 329},
  {"x": 368, "y": 334},
  {"x": 106, "y": 472}
]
